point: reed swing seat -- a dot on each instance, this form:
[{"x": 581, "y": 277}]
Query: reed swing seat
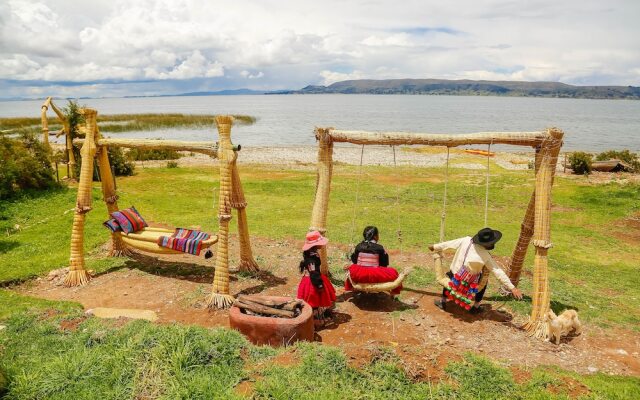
[
  {"x": 146, "y": 239},
  {"x": 381, "y": 287}
]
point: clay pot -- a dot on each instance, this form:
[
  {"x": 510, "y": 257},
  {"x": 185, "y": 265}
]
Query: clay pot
[{"x": 274, "y": 331}]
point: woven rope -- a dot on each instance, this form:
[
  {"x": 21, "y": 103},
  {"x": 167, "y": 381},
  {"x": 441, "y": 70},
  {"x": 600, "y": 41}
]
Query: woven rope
[
  {"x": 397, "y": 204},
  {"x": 357, "y": 199},
  {"x": 486, "y": 196}
]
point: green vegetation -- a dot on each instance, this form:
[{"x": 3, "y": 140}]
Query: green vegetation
[
  {"x": 580, "y": 162},
  {"x": 172, "y": 164},
  {"x": 88, "y": 358},
  {"x": 593, "y": 245},
  {"x": 153, "y": 154},
  {"x": 68, "y": 356},
  {"x": 25, "y": 166},
  {"x": 116, "y": 123},
  {"x": 624, "y": 155}
]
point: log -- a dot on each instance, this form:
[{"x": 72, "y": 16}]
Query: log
[
  {"x": 289, "y": 305},
  {"x": 260, "y": 309},
  {"x": 209, "y": 148},
  {"x": 403, "y": 138}
]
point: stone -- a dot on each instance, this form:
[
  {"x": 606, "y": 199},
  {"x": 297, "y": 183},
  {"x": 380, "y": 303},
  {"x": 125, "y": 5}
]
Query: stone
[
  {"x": 622, "y": 352},
  {"x": 104, "y": 312},
  {"x": 592, "y": 370}
]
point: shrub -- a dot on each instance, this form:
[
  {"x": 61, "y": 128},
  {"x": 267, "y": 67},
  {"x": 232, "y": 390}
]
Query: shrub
[
  {"x": 172, "y": 164},
  {"x": 25, "y": 165},
  {"x": 624, "y": 155},
  {"x": 580, "y": 162},
  {"x": 121, "y": 165},
  {"x": 154, "y": 154}
]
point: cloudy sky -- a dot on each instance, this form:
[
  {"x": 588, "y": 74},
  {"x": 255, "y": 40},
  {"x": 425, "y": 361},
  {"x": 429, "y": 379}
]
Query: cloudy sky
[{"x": 114, "y": 48}]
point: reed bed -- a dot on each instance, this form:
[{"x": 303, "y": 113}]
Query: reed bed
[{"x": 116, "y": 123}]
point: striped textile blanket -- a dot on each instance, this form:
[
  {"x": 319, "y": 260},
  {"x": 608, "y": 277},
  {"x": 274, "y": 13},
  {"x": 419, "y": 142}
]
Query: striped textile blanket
[{"x": 184, "y": 240}]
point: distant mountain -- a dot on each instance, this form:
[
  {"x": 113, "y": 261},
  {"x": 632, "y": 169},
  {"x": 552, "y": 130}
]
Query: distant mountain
[
  {"x": 230, "y": 92},
  {"x": 473, "y": 88}
]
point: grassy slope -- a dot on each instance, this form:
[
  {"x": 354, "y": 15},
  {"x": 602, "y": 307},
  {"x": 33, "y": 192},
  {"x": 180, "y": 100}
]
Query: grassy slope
[
  {"x": 97, "y": 359},
  {"x": 142, "y": 359},
  {"x": 591, "y": 269}
]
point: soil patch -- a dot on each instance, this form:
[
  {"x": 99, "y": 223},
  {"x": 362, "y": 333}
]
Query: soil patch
[{"x": 366, "y": 326}]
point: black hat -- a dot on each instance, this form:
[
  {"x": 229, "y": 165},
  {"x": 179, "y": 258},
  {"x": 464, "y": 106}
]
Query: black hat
[{"x": 487, "y": 237}]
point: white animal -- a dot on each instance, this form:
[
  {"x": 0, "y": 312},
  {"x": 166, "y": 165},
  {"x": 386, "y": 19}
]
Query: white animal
[{"x": 563, "y": 324}]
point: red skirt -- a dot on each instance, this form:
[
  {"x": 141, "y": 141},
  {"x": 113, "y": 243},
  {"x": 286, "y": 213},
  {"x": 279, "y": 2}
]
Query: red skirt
[
  {"x": 360, "y": 274},
  {"x": 316, "y": 297}
]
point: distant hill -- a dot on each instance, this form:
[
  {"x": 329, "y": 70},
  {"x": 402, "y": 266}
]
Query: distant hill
[
  {"x": 473, "y": 88},
  {"x": 230, "y": 92}
]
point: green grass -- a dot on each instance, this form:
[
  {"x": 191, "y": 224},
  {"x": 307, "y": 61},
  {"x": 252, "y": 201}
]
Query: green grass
[
  {"x": 123, "y": 122},
  {"x": 592, "y": 270},
  {"x": 101, "y": 359}
]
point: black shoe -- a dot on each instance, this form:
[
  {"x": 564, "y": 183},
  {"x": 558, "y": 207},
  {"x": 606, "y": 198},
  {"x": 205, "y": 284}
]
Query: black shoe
[
  {"x": 441, "y": 304},
  {"x": 475, "y": 310}
]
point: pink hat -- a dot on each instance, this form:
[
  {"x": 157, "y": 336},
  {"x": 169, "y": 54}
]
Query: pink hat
[{"x": 314, "y": 238}]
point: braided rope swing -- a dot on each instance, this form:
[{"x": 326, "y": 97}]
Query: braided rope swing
[
  {"x": 355, "y": 205},
  {"x": 486, "y": 196}
]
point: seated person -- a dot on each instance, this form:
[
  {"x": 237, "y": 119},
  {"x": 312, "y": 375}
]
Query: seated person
[
  {"x": 371, "y": 262},
  {"x": 466, "y": 281}
]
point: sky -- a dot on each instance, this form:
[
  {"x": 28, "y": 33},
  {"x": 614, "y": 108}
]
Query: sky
[{"x": 115, "y": 48}]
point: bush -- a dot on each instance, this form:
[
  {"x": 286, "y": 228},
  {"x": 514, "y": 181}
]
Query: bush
[
  {"x": 624, "y": 155},
  {"x": 144, "y": 155},
  {"x": 580, "y": 162},
  {"x": 121, "y": 165},
  {"x": 25, "y": 165},
  {"x": 172, "y": 164}
]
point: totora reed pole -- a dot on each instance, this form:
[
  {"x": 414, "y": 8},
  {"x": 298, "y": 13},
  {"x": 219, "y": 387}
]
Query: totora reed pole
[
  {"x": 537, "y": 326},
  {"x": 220, "y": 297},
  {"x": 323, "y": 189},
  {"x": 77, "y": 273}
]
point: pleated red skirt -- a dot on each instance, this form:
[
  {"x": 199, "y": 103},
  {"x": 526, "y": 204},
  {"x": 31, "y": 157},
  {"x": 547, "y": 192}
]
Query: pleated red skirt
[
  {"x": 316, "y": 297},
  {"x": 360, "y": 274}
]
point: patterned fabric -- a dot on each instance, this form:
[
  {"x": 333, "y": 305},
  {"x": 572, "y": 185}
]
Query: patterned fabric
[
  {"x": 368, "y": 260},
  {"x": 129, "y": 220},
  {"x": 184, "y": 240},
  {"x": 112, "y": 225}
]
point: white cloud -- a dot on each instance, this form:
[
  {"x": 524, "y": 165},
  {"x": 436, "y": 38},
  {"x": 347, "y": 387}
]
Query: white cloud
[{"x": 289, "y": 44}]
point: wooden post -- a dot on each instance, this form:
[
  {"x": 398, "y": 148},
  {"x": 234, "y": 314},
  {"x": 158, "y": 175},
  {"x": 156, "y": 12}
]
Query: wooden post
[
  {"x": 110, "y": 197},
  {"x": 514, "y": 269},
  {"x": 247, "y": 263},
  {"x": 323, "y": 189},
  {"x": 537, "y": 326},
  {"x": 45, "y": 122},
  {"x": 77, "y": 273},
  {"x": 220, "y": 297}
]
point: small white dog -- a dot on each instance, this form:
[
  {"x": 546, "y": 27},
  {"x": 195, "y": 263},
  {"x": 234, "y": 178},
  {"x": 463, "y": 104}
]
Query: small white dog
[{"x": 563, "y": 324}]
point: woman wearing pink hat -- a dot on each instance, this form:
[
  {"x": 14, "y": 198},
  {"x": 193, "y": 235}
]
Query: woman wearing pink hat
[{"x": 315, "y": 288}]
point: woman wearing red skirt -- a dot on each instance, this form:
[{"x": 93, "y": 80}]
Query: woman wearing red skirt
[
  {"x": 315, "y": 288},
  {"x": 371, "y": 263}
]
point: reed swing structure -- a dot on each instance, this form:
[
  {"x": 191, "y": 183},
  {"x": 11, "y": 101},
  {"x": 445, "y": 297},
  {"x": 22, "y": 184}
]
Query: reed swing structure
[
  {"x": 231, "y": 196},
  {"x": 535, "y": 227}
]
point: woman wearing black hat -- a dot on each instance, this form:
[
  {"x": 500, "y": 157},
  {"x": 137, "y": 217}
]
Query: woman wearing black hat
[{"x": 467, "y": 279}]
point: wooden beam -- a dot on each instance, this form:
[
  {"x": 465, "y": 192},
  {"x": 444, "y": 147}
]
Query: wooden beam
[
  {"x": 402, "y": 138},
  {"x": 210, "y": 148}
]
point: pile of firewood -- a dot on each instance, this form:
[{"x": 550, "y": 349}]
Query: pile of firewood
[{"x": 268, "y": 307}]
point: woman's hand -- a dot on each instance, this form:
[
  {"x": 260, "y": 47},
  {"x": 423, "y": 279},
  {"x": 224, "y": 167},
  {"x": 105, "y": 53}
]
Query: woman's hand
[{"x": 516, "y": 293}]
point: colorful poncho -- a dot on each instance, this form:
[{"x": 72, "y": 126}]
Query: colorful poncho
[
  {"x": 184, "y": 240},
  {"x": 463, "y": 287}
]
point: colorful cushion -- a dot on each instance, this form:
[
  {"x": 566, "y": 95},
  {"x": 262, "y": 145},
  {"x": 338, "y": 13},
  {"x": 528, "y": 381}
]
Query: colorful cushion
[
  {"x": 129, "y": 220},
  {"x": 112, "y": 225}
]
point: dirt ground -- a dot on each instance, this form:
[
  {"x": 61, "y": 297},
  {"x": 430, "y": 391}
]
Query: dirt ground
[{"x": 423, "y": 336}]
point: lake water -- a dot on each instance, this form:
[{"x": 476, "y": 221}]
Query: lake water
[{"x": 289, "y": 120}]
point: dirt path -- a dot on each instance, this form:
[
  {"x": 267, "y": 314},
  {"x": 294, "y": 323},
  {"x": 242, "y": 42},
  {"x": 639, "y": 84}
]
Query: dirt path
[{"x": 423, "y": 336}]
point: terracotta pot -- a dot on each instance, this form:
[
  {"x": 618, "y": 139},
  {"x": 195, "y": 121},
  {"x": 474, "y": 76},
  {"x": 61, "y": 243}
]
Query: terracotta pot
[{"x": 274, "y": 331}]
